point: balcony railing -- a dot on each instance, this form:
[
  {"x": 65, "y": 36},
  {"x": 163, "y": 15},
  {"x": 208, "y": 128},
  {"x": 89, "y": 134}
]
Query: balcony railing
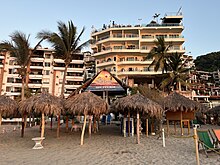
[{"x": 138, "y": 26}]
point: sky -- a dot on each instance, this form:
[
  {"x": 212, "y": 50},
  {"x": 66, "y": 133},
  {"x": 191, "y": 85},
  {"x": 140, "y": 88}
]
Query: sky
[{"x": 201, "y": 18}]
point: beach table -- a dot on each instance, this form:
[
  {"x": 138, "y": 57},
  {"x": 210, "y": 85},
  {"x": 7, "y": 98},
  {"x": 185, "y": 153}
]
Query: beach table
[{"x": 38, "y": 141}]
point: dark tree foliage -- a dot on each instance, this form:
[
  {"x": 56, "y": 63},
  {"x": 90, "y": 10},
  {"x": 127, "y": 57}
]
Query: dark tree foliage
[{"x": 209, "y": 62}]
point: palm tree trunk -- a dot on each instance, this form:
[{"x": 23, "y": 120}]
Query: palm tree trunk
[
  {"x": 27, "y": 74},
  {"x": 64, "y": 80},
  {"x": 22, "y": 89}
]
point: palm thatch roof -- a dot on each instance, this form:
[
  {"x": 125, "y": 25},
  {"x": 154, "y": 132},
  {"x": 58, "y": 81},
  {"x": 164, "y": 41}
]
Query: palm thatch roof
[
  {"x": 8, "y": 107},
  {"x": 86, "y": 103},
  {"x": 42, "y": 103},
  {"x": 176, "y": 102},
  {"x": 215, "y": 110},
  {"x": 137, "y": 102}
]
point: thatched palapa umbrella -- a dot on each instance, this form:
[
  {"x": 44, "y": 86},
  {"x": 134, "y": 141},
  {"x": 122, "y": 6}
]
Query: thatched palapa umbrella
[
  {"x": 85, "y": 104},
  {"x": 137, "y": 104},
  {"x": 8, "y": 107},
  {"x": 44, "y": 104},
  {"x": 178, "y": 107},
  {"x": 215, "y": 110}
]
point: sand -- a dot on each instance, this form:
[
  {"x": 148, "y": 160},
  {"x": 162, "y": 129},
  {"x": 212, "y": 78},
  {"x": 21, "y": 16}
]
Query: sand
[{"x": 107, "y": 146}]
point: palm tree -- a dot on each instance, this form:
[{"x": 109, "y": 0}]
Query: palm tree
[
  {"x": 178, "y": 73},
  {"x": 66, "y": 44},
  {"x": 159, "y": 55},
  {"x": 19, "y": 47}
]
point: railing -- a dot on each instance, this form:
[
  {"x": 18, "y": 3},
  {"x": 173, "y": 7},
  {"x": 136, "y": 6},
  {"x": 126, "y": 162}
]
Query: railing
[
  {"x": 174, "y": 14},
  {"x": 137, "y": 26}
]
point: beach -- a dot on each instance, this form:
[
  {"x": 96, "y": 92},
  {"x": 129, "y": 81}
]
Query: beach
[{"x": 107, "y": 146}]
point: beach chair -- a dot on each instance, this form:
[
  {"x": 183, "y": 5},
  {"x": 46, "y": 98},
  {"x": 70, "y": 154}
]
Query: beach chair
[
  {"x": 205, "y": 141},
  {"x": 216, "y": 133},
  {"x": 196, "y": 123}
]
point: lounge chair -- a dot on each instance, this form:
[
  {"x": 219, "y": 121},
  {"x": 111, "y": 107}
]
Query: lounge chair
[
  {"x": 216, "y": 133},
  {"x": 205, "y": 141}
]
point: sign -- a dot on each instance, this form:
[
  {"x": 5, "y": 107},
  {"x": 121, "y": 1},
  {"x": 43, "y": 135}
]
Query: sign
[{"x": 104, "y": 82}]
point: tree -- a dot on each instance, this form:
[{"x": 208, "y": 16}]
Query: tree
[
  {"x": 19, "y": 47},
  {"x": 178, "y": 73},
  {"x": 159, "y": 55},
  {"x": 66, "y": 44},
  {"x": 209, "y": 62}
]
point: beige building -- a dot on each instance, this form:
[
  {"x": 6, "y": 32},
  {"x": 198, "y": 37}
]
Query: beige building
[
  {"x": 46, "y": 74},
  {"x": 121, "y": 49}
]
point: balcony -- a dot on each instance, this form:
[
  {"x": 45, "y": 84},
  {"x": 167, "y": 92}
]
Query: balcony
[
  {"x": 36, "y": 67},
  {"x": 35, "y": 76},
  {"x": 106, "y": 63},
  {"x": 72, "y": 86},
  {"x": 35, "y": 85},
  {"x": 69, "y": 69},
  {"x": 174, "y": 38},
  {"x": 138, "y": 72},
  {"x": 75, "y": 78},
  {"x": 134, "y": 62},
  {"x": 116, "y": 49},
  {"x": 142, "y": 26},
  {"x": 13, "y": 75},
  {"x": 2, "y": 57},
  {"x": 36, "y": 59}
]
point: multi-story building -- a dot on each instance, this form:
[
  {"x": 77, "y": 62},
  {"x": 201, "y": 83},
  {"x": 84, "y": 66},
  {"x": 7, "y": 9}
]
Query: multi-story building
[
  {"x": 89, "y": 63},
  {"x": 46, "y": 74},
  {"x": 121, "y": 49}
]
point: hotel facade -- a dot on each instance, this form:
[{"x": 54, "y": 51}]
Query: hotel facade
[
  {"x": 122, "y": 49},
  {"x": 46, "y": 74}
]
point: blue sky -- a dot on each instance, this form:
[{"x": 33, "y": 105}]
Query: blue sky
[{"x": 201, "y": 17}]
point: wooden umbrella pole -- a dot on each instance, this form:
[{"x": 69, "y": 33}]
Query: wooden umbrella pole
[
  {"x": 90, "y": 125},
  {"x": 33, "y": 122},
  {"x": 83, "y": 130},
  {"x": 138, "y": 126},
  {"x": 22, "y": 126},
  {"x": 51, "y": 122},
  {"x": 58, "y": 126},
  {"x": 67, "y": 123},
  {"x": 30, "y": 121},
  {"x": 196, "y": 146},
  {"x": 0, "y": 119},
  {"x": 25, "y": 121},
  {"x": 129, "y": 126},
  {"x": 43, "y": 125},
  {"x": 94, "y": 125},
  {"x": 147, "y": 127}
]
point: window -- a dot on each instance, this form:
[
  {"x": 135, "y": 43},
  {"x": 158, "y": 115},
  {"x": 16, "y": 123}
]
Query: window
[
  {"x": 47, "y": 64},
  {"x": 115, "y": 58},
  {"x": 47, "y": 56},
  {"x": 10, "y": 80},
  {"x": 11, "y": 62},
  {"x": 46, "y": 81},
  {"x": 47, "y": 72},
  {"x": 130, "y": 58},
  {"x": 45, "y": 89},
  {"x": 8, "y": 89}
]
